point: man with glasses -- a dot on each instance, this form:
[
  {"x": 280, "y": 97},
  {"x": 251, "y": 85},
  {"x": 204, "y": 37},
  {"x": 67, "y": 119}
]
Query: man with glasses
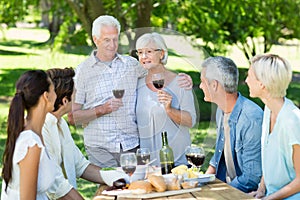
[
  {"x": 237, "y": 158},
  {"x": 109, "y": 123}
]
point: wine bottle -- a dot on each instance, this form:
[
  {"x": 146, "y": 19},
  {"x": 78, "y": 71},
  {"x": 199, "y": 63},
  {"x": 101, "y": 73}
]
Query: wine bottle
[{"x": 166, "y": 155}]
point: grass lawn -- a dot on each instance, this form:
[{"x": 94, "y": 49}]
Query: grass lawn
[{"x": 22, "y": 50}]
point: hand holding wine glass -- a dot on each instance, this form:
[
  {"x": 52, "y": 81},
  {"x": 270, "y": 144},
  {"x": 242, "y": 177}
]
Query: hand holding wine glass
[
  {"x": 195, "y": 156},
  {"x": 128, "y": 163}
]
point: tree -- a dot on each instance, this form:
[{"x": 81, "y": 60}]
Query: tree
[{"x": 253, "y": 25}]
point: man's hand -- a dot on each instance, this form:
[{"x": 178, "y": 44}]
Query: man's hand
[
  {"x": 185, "y": 81},
  {"x": 112, "y": 105}
]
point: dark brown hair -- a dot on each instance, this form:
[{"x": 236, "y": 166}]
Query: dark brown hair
[
  {"x": 63, "y": 84},
  {"x": 30, "y": 86}
]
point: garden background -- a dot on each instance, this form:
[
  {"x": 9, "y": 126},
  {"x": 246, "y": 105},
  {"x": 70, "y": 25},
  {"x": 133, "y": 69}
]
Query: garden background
[{"x": 205, "y": 28}]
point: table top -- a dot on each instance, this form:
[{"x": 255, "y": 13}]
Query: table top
[{"x": 216, "y": 190}]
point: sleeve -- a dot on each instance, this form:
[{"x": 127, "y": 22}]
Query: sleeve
[
  {"x": 141, "y": 71},
  {"x": 188, "y": 104},
  {"x": 81, "y": 162},
  {"x": 79, "y": 84},
  {"x": 60, "y": 187},
  {"x": 250, "y": 153},
  {"x": 25, "y": 141}
]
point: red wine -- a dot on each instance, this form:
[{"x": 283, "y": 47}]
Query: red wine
[
  {"x": 129, "y": 169},
  {"x": 143, "y": 159},
  {"x": 158, "y": 84},
  {"x": 118, "y": 93},
  {"x": 166, "y": 167},
  {"x": 195, "y": 159}
]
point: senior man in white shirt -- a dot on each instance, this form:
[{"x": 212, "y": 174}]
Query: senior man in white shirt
[{"x": 60, "y": 144}]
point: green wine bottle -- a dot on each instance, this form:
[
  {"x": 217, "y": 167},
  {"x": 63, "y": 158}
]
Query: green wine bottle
[{"x": 166, "y": 155}]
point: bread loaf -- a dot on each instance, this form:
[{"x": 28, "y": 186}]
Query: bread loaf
[
  {"x": 140, "y": 187},
  {"x": 158, "y": 182}
]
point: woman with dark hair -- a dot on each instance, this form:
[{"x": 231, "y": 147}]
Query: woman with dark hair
[
  {"x": 60, "y": 144},
  {"x": 27, "y": 169}
]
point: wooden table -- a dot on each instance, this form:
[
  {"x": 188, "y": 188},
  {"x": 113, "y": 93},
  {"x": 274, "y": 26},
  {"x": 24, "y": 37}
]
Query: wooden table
[{"x": 216, "y": 190}]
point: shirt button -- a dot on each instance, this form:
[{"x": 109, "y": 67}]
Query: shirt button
[{"x": 219, "y": 151}]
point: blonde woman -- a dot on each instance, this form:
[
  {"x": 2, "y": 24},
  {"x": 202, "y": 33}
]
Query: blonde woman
[{"x": 268, "y": 79}]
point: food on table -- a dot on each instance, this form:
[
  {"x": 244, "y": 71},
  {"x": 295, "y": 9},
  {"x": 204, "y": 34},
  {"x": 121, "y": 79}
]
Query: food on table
[
  {"x": 189, "y": 184},
  {"x": 185, "y": 171},
  {"x": 158, "y": 182},
  {"x": 140, "y": 187},
  {"x": 180, "y": 170},
  {"x": 174, "y": 184},
  {"x": 108, "y": 168}
]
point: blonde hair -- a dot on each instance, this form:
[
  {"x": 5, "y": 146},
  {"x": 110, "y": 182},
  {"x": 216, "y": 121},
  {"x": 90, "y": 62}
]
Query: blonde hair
[{"x": 274, "y": 72}]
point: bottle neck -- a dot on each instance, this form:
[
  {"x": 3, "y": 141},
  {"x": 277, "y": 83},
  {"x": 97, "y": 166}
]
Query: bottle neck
[{"x": 164, "y": 139}]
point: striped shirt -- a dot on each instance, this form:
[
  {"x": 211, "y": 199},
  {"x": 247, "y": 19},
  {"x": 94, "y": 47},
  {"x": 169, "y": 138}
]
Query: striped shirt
[{"x": 94, "y": 82}]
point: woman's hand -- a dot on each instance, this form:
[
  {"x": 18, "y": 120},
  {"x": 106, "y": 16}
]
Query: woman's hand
[{"x": 165, "y": 99}]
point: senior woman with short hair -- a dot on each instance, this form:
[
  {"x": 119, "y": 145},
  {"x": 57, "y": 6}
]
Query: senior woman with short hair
[
  {"x": 168, "y": 109},
  {"x": 268, "y": 79}
]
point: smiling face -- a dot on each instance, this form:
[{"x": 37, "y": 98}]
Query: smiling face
[
  {"x": 253, "y": 83},
  {"x": 107, "y": 43},
  {"x": 150, "y": 56}
]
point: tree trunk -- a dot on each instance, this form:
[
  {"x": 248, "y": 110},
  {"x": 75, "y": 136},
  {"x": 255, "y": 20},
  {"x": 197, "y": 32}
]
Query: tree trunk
[{"x": 87, "y": 12}]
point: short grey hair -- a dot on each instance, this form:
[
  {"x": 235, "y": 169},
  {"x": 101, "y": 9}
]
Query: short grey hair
[
  {"x": 223, "y": 70},
  {"x": 274, "y": 72},
  {"x": 157, "y": 40},
  {"x": 104, "y": 20}
]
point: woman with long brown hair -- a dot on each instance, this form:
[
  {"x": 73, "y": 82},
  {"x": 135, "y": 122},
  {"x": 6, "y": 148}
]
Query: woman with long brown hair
[{"x": 27, "y": 169}]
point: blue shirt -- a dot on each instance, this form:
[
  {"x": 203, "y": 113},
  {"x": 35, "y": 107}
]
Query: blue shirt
[
  {"x": 245, "y": 139},
  {"x": 277, "y": 147}
]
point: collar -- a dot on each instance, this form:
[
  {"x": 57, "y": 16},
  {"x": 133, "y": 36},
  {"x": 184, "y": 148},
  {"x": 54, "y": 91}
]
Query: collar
[
  {"x": 93, "y": 59},
  {"x": 51, "y": 118},
  {"x": 237, "y": 109}
]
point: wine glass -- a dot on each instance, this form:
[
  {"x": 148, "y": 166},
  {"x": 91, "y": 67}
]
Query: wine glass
[
  {"x": 118, "y": 93},
  {"x": 195, "y": 156},
  {"x": 128, "y": 163},
  {"x": 158, "y": 80},
  {"x": 143, "y": 156}
]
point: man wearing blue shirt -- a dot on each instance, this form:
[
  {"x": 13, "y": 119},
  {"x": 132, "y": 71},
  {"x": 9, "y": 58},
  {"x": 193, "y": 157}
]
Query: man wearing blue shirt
[{"x": 237, "y": 158}]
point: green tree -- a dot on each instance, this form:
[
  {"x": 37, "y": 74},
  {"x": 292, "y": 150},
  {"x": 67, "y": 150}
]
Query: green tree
[{"x": 253, "y": 25}]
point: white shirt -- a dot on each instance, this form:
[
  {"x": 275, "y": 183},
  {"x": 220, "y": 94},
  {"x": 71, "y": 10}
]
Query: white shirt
[
  {"x": 46, "y": 173},
  {"x": 62, "y": 149}
]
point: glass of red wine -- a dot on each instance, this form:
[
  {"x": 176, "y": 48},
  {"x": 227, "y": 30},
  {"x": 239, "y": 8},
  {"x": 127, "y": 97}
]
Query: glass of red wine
[
  {"x": 143, "y": 156},
  {"x": 128, "y": 163},
  {"x": 195, "y": 156},
  {"x": 118, "y": 93},
  {"x": 158, "y": 80}
]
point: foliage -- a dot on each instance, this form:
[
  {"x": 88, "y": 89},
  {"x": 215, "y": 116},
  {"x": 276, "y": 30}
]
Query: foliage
[{"x": 220, "y": 23}]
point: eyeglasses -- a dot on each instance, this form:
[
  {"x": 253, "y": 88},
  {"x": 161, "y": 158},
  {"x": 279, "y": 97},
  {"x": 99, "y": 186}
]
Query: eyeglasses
[{"x": 149, "y": 52}]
